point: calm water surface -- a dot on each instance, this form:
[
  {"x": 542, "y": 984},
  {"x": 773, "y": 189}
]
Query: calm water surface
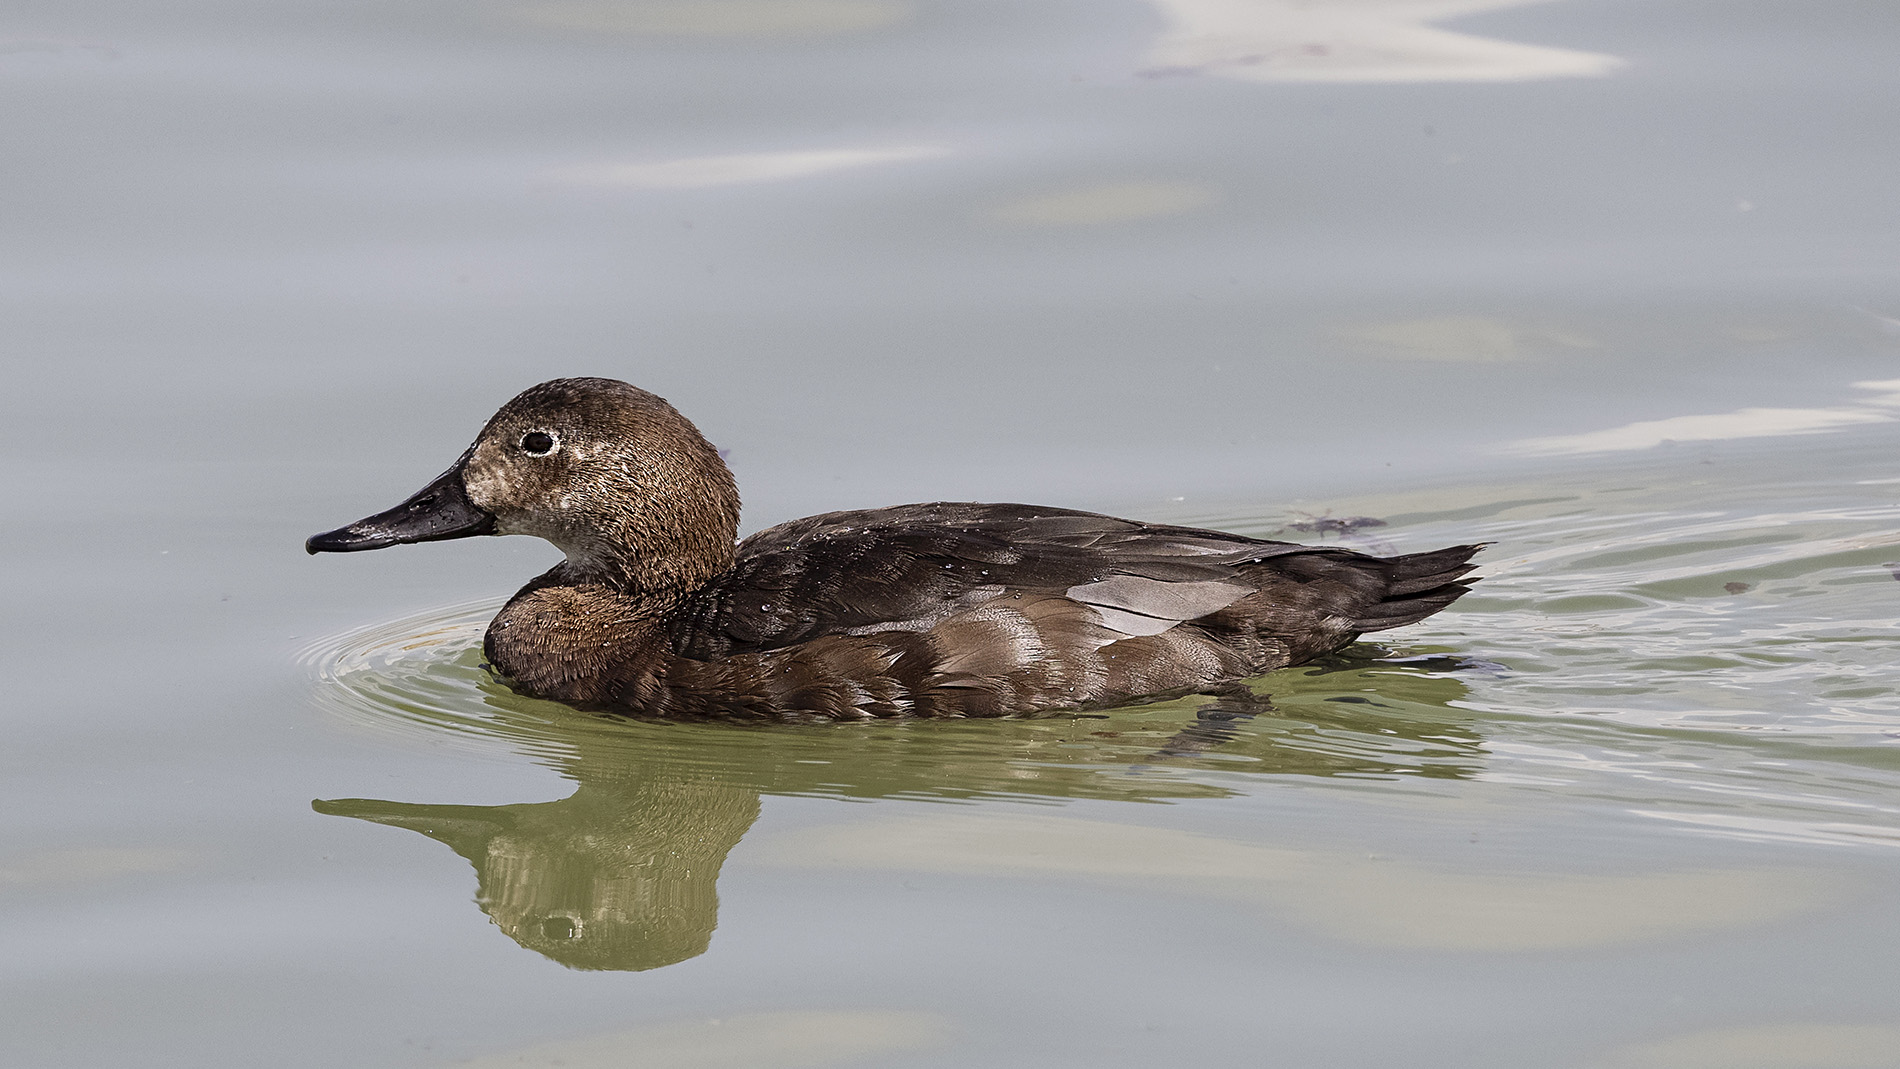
[{"x": 1610, "y": 285}]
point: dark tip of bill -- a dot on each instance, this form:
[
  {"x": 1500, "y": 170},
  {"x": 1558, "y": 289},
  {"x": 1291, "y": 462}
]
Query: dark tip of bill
[{"x": 341, "y": 540}]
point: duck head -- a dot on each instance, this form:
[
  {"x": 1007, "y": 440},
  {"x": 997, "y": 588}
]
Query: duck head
[{"x": 624, "y": 485}]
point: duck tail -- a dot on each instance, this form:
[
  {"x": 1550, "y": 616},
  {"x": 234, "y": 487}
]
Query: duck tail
[{"x": 1420, "y": 584}]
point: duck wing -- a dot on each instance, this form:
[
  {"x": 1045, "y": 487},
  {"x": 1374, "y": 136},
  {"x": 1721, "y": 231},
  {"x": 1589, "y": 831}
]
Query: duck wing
[{"x": 912, "y": 567}]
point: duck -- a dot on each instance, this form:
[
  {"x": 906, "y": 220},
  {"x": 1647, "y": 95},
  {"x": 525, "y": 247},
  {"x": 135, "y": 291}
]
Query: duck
[{"x": 945, "y": 609}]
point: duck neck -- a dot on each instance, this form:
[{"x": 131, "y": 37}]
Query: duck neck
[
  {"x": 660, "y": 546},
  {"x": 657, "y": 580}
]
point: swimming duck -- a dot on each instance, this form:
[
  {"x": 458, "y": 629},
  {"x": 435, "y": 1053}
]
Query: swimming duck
[{"x": 945, "y": 609}]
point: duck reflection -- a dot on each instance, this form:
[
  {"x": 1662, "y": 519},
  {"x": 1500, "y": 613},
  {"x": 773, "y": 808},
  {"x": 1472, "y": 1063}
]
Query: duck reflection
[
  {"x": 619, "y": 875},
  {"x": 623, "y": 873}
]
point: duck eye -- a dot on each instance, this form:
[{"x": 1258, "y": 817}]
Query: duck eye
[{"x": 539, "y": 443}]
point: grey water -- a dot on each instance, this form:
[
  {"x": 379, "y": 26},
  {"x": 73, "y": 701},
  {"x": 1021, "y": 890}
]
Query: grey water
[{"x": 1611, "y": 285}]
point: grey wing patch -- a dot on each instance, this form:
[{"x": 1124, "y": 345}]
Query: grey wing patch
[
  {"x": 1135, "y": 605},
  {"x": 973, "y": 598}
]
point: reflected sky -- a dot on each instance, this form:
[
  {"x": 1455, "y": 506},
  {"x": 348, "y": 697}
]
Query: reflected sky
[
  {"x": 1330, "y": 41},
  {"x": 1345, "y": 41},
  {"x": 1877, "y": 407},
  {"x": 696, "y": 172}
]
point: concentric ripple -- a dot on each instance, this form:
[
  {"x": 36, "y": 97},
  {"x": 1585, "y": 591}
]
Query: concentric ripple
[
  {"x": 1722, "y": 651},
  {"x": 423, "y": 676}
]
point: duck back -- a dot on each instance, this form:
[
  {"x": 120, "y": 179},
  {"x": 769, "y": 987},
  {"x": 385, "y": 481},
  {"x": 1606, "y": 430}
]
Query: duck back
[{"x": 960, "y": 609}]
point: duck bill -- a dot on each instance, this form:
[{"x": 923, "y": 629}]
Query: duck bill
[{"x": 438, "y": 511}]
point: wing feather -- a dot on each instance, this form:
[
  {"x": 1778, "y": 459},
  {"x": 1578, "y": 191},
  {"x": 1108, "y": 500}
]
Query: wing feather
[{"x": 913, "y": 566}]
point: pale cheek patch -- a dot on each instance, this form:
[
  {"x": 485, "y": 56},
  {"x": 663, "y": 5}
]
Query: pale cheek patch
[{"x": 484, "y": 487}]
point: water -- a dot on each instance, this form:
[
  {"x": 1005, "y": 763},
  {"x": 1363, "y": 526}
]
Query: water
[{"x": 1609, "y": 285}]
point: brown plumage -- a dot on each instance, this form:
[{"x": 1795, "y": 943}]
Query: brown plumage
[{"x": 947, "y": 609}]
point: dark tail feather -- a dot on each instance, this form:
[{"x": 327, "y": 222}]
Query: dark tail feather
[{"x": 1420, "y": 585}]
